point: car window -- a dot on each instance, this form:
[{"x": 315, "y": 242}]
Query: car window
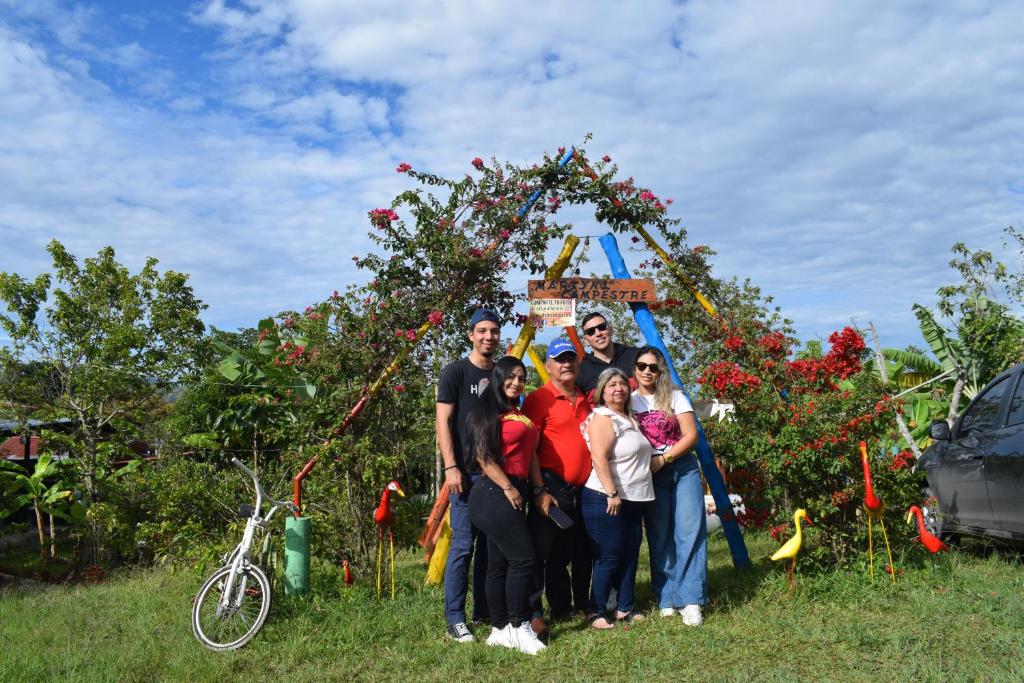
[
  {"x": 981, "y": 416},
  {"x": 1015, "y": 415}
]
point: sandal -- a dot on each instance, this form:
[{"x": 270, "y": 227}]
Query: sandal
[
  {"x": 593, "y": 619},
  {"x": 630, "y": 617}
]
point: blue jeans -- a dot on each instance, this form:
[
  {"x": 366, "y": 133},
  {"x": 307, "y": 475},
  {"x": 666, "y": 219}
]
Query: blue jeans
[
  {"x": 677, "y": 535},
  {"x": 456, "y": 571},
  {"x": 615, "y": 542}
]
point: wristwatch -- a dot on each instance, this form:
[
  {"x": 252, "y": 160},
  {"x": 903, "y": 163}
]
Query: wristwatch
[
  {"x": 613, "y": 494},
  {"x": 539, "y": 489}
]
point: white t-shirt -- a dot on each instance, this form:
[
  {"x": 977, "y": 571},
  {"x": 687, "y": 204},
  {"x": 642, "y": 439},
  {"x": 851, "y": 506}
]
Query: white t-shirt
[
  {"x": 660, "y": 429},
  {"x": 630, "y": 459}
]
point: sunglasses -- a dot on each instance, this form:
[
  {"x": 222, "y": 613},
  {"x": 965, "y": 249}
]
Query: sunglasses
[
  {"x": 591, "y": 331},
  {"x": 648, "y": 367}
]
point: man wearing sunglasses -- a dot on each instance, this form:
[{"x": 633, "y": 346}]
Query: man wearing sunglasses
[{"x": 605, "y": 353}]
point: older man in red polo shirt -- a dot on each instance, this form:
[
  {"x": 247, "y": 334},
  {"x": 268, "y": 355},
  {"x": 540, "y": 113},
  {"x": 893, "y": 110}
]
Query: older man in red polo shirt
[{"x": 559, "y": 408}]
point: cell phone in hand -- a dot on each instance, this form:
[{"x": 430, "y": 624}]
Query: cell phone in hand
[{"x": 558, "y": 516}]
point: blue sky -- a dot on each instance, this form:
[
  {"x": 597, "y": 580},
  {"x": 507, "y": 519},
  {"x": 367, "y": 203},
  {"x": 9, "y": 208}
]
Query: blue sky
[{"x": 831, "y": 152}]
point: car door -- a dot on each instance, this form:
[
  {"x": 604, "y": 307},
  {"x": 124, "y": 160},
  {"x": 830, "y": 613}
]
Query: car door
[
  {"x": 963, "y": 489},
  {"x": 1004, "y": 466}
]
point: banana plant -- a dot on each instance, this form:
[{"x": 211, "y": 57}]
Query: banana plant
[{"x": 54, "y": 499}]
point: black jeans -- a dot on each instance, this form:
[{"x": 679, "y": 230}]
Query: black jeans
[
  {"x": 556, "y": 549},
  {"x": 510, "y": 579}
]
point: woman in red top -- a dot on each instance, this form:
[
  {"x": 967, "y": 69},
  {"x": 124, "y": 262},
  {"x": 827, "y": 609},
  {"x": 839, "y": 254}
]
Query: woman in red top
[{"x": 504, "y": 442}]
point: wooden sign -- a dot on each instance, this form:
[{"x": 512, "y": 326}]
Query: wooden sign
[{"x": 593, "y": 289}]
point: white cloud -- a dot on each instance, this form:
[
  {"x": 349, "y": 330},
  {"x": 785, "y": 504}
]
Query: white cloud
[{"x": 831, "y": 152}]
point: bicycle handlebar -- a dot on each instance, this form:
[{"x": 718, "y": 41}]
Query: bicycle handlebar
[{"x": 260, "y": 493}]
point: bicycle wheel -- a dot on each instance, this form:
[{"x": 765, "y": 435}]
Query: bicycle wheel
[{"x": 231, "y": 627}]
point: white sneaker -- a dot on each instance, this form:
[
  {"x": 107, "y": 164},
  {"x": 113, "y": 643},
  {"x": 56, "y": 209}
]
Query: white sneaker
[
  {"x": 691, "y": 615},
  {"x": 501, "y": 636},
  {"x": 525, "y": 640},
  {"x": 460, "y": 633},
  {"x": 667, "y": 611}
]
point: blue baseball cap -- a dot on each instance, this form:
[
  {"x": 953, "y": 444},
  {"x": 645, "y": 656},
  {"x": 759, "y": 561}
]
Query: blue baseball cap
[
  {"x": 482, "y": 314},
  {"x": 559, "y": 346}
]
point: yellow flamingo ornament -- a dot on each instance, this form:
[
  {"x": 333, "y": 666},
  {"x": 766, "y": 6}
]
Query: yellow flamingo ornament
[{"x": 792, "y": 546}]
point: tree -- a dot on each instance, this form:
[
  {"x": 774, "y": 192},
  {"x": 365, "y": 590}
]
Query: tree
[{"x": 111, "y": 340}]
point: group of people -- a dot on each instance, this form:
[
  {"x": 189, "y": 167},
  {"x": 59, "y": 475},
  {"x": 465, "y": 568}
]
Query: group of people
[{"x": 550, "y": 495}]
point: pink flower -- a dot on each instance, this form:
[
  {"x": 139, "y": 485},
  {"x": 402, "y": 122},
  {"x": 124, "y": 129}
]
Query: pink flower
[
  {"x": 505, "y": 234},
  {"x": 606, "y": 158},
  {"x": 403, "y": 168},
  {"x": 335, "y": 296},
  {"x": 399, "y": 388},
  {"x": 382, "y": 217},
  {"x": 435, "y": 317},
  {"x": 478, "y": 163},
  {"x": 647, "y": 196},
  {"x": 399, "y": 333},
  {"x": 410, "y": 334}
]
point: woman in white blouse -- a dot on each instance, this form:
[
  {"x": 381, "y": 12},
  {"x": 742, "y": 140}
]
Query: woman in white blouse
[
  {"x": 677, "y": 535},
  {"x": 615, "y": 496}
]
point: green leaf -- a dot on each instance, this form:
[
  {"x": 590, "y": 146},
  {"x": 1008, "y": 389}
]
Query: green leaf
[{"x": 937, "y": 338}]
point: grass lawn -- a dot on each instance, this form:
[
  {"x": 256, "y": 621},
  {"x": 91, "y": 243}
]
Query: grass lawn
[{"x": 964, "y": 622}]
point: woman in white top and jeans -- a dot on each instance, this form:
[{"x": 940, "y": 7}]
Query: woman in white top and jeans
[
  {"x": 677, "y": 535},
  {"x": 615, "y": 496}
]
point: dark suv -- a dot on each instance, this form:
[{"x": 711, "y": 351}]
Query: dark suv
[{"x": 976, "y": 469}]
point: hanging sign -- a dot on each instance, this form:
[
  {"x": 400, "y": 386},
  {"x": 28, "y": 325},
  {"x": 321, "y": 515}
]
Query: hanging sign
[
  {"x": 557, "y": 312},
  {"x": 593, "y": 289}
]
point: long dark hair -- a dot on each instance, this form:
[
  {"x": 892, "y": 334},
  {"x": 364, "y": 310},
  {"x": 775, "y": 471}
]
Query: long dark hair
[{"x": 482, "y": 428}]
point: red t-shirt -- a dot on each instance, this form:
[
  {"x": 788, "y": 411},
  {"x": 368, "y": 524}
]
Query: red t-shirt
[
  {"x": 561, "y": 447},
  {"x": 518, "y": 439}
]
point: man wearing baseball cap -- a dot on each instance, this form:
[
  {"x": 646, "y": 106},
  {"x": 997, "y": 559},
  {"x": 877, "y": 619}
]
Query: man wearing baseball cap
[
  {"x": 558, "y": 408},
  {"x": 461, "y": 385}
]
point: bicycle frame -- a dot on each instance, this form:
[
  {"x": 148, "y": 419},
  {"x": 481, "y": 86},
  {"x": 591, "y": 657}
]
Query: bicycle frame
[{"x": 240, "y": 556}]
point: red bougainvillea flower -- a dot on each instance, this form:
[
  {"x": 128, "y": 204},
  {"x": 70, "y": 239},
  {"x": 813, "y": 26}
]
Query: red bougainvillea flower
[
  {"x": 382, "y": 218},
  {"x": 773, "y": 343},
  {"x": 435, "y": 317},
  {"x": 505, "y": 234},
  {"x": 727, "y": 378},
  {"x": 403, "y": 168},
  {"x": 478, "y": 163},
  {"x": 647, "y": 196},
  {"x": 399, "y": 388},
  {"x": 733, "y": 343},
  {"x": 699, "y": 249},
  {"x": 902, "y": 460},
  {"x": 606, "y": 158}
]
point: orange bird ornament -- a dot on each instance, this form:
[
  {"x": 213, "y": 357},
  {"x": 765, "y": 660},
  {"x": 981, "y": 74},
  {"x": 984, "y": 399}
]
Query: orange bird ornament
[
  {"x": 932, "y": 543},
  {"x": 384, "y": 518},
  {"x": 875, "y": 509},
  {"x": 791, "y": 547}
]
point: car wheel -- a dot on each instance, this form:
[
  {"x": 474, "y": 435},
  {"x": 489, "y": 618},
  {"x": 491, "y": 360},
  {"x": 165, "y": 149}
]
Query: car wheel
[{"x": 933, "y": 517}]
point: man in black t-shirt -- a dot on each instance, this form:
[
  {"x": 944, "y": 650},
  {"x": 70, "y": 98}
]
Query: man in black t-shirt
[
  {"x": 605, "y": 354},
  {"x": 461, "y": 385}
]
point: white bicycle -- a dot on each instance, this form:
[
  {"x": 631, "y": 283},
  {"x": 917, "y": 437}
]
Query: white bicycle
[{"x": 233, "y": 603}]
